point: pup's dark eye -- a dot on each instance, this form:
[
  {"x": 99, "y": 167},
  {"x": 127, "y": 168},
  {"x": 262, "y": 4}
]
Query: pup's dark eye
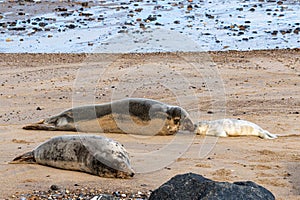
[{"x": 176, "y": 121}]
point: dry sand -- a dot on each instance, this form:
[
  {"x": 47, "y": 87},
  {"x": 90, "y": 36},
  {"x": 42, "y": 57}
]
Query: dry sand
[{"x": 259, "y": 86}]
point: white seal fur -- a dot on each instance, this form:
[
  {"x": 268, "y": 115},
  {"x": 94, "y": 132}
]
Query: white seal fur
[{"x": 232, "y": 127}]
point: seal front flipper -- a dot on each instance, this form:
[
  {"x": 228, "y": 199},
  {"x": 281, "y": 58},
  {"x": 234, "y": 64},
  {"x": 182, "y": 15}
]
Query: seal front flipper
[{"x": 25, "y": 158}]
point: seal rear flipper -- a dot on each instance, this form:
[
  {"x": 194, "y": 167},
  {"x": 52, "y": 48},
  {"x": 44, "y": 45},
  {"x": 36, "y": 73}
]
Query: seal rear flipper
[
  {"x": 25, "y": 158},
  {"x": 40, "y": 126},
  {"x": 270, "y": 136},
  {"x": 56, "y": 123}
]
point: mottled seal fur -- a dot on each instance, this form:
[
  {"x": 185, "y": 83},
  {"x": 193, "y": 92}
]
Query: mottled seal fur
[
  {"x": 231, "y": 127},
  {"x": 131, "y": 116},
  {"x": 87, "y": 153}
]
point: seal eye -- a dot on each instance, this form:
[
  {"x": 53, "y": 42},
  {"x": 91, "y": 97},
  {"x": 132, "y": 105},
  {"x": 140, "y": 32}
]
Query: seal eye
[{"x": 176, "y": 121}]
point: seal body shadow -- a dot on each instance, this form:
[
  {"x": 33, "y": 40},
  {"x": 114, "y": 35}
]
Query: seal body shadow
[
  {"x": 87, "y": 153},
  {"x": 131, "y": 116}
]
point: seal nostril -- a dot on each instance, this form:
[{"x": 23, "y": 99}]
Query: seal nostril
[{"x": 132, "y": 174}]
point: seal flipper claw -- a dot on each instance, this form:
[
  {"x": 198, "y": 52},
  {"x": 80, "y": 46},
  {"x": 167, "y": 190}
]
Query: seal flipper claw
[{"x": 25, "y": 158}]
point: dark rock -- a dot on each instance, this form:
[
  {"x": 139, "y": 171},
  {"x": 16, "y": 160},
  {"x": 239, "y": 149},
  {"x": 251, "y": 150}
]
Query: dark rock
[
  {"x": 194, "y": 186},
  {"x": 60, "y": 9},
  {"x": 279, "y": 2},
  {"x": 71, "y": 26},
  {"x": 209, "y": 16},
  {"x": 66, "y": 14},
  {"x": 151, "y": 18},
  {"x": 17, "y": 29},
  {"x": 86, "y": 14},
  {"x": 42, "y": 24},
  {"x": 297, "y": 30},
  {"x": 54, "y": 187},
  {"x": 84, "y": 4},
  {"x": 274, "y": 33}
]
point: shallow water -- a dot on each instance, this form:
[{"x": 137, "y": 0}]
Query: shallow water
[{"x": 92, "y": 26}]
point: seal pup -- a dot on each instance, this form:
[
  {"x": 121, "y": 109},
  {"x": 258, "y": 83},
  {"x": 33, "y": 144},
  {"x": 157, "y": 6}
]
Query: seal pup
[
  {"x": 96, "y": 155},
  {"x": 231, "y": 127},
  {"x": 131, "y": 116}
]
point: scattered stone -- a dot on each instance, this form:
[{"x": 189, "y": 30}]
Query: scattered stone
[
  {"x": 17, "y": 29},
  {"x": 274, "y": 33},
  {"x": 84, "y": 4},
  {"x": 209, "y": 16},
  {"x": 42, "y": 24},
  {"x": 60, "y": 9},
  {"x": 79, "y": 14},
  {"x": 297, "y": 30},
  {"x": 295, "y": 113},
  {"x": 151, "y": 18},
  {"x": 84, "y": 193},
  {"x": 54, "y": 187},
  {"x": 8, "y": 40},
  {"x": 189, "y": 7},
  {"x": 38, "y": 108},
  {"x": 279, "y": 2},
  {"x": 86, "y": 14},
  {"x": 193, "y": 185},
  {"x": 71, "y": 26}
]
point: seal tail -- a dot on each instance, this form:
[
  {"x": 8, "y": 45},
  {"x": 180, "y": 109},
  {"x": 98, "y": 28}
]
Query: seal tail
[{"x": 25, "y": 158}]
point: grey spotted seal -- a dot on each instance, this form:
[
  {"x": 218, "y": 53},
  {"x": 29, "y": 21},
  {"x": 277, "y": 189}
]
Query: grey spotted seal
[
  {"x": 131, "y": 116},
  {"x": 96, "y": 155},
  {"x": 232, "y": 127}
]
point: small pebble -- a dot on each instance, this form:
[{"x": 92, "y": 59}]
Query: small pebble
[{"x": 54, "y": 187}]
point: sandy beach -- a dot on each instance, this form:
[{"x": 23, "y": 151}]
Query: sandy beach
[{"x": 259, "y": 86}]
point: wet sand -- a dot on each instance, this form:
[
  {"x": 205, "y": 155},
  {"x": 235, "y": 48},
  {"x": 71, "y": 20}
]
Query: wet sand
[
  {"x": 82, "y": 26},
  {"x": 259, "y": 86}
]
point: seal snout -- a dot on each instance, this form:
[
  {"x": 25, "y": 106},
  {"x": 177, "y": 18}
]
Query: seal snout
[{"x": 187, "y": 124}]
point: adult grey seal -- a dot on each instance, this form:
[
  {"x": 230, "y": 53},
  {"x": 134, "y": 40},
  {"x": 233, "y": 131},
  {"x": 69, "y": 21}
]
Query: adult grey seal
[
  {"x": 87, "y": 153},
  {"x": 232, "y": 127},
  {"x": 132, "y": 116}
]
